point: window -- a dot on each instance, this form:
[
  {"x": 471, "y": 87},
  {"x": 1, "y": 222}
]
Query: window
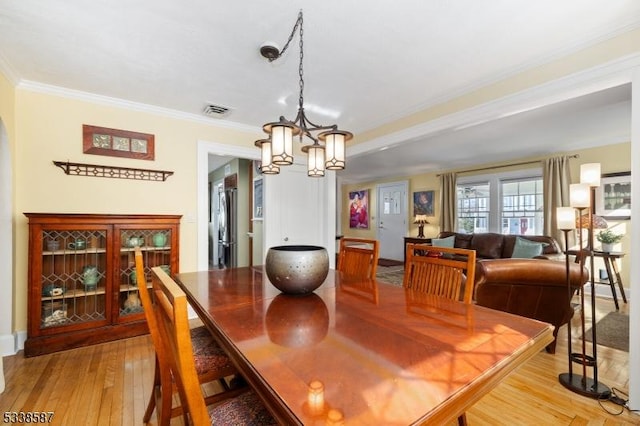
[
  {"x": 507, "y": 203},
  {"x": 473, "y": 207},
  {"x": 522, "y": 206}
]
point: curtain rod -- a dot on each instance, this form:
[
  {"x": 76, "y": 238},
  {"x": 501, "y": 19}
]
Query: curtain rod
[{"x": 523, "y": 163}]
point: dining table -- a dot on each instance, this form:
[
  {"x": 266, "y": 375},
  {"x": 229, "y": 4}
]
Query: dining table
[{"x": 359, "y": 351}]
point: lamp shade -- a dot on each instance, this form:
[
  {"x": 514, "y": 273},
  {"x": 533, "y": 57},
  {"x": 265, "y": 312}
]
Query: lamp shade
[
  {"x": 421, "y": 219},
  {"x": 335, "y": 146},
  {"x": 598, "y": 222},
  {"x": 579, "y": 195},
  {"x": 315, "y": 160},
  {"x": 566, "y": 218},
  {"x": 590, "y": 174}
]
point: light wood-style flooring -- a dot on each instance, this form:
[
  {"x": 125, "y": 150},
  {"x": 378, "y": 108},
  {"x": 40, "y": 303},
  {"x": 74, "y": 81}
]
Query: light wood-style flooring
[{"x": 109, "y": 384}]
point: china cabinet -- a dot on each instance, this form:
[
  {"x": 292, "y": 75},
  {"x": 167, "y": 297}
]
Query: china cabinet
[{"x": 82, "y": 282}]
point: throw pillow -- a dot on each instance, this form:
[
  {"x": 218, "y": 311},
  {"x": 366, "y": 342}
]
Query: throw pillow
[
  {"x": 526, "y": 249},
  {"x": 444, "y": 242}
]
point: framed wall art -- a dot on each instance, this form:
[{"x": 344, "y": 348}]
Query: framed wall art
[
  {"x": 423, "y": 203},
  {"x": 359, "y": 209},
  {"x": 117, "y": 143},
  {"x": 257, "y": 199},
  {"x": 613, "y": 196}
]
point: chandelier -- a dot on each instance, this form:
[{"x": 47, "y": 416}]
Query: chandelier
[{"x": 327, "y": 150}]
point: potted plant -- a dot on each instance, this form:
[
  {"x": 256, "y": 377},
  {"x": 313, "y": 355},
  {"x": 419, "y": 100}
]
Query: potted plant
[{"x": 608, "y": 238}]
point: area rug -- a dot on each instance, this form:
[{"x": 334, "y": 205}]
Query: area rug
[
  {"x": 612, "y": 331},
  {"x": 389, "y": 262},
  {"x": 390, "y": 274}
]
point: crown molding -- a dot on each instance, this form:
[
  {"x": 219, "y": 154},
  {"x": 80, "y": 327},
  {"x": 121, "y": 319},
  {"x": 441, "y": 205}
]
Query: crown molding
[
  {"x": 558, "y": 54},
  {"x": 7, "y": 70},
  {"x": 64, "y": 92},
  {"x": 601, "y": 77}
]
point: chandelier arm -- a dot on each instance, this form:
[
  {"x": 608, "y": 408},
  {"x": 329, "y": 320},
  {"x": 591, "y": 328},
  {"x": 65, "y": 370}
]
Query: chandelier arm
[{"x": 315, "y": 127}]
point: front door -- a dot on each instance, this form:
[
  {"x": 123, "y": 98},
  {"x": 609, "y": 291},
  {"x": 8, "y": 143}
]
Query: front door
[{"x": 392, "y": 219}]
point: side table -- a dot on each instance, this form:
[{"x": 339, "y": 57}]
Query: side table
[
  {"x": 414, "y": 240},
  {"x": 613, "y": 274}
]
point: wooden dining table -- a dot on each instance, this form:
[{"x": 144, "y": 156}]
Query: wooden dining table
[{"x": 359, "y": 351}]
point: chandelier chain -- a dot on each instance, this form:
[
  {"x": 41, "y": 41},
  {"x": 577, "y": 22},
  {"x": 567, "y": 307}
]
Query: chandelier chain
[{"x": 300, "y": 68}]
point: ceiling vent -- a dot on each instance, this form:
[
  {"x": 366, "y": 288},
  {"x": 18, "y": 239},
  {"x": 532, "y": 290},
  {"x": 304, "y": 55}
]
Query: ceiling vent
[{"x": 216, "y": 111}]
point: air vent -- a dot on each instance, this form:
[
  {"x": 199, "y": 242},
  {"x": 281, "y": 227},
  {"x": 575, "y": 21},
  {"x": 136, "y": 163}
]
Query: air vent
[{"x": 212, "y": 110}]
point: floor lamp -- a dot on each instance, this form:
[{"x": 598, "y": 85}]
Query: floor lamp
[{"x": 582, "y": 196}]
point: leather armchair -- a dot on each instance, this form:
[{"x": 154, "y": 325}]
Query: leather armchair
[{"x": 533, "y": 288}]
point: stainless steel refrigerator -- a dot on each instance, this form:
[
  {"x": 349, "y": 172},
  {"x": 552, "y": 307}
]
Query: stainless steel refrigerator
[{"x": 228, "y": 229}]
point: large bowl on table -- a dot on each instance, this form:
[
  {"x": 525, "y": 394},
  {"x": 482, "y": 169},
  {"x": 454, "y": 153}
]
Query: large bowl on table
[{"x": 297, "y": 269}]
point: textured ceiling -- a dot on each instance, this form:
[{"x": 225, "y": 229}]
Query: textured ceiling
[{"x": 366, "y": 64}]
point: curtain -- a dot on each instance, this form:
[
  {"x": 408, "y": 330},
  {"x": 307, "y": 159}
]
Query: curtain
[
  {"x": 556, "y": 178},
  {"x": 448, "y": 205}
]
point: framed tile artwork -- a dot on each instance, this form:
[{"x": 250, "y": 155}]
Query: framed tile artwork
[{"x": 117, "y": 143}]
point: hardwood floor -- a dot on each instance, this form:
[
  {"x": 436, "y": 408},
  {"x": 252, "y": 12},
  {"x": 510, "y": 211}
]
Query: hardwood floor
[{"x": 109, "y": 384}]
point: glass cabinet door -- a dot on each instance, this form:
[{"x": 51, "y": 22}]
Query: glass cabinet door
[
  {"x": 73, "y": 277},
  {"x": 155, "y": 245}
]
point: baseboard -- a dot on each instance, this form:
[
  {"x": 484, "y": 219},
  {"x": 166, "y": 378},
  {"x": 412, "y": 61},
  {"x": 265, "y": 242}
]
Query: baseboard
[
  {"x": 9, "y": 344},
  {"x": 604, "y": 291}
]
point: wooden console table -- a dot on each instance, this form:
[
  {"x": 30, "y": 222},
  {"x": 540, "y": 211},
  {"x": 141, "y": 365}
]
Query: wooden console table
[{"x": 414, "y": 240}]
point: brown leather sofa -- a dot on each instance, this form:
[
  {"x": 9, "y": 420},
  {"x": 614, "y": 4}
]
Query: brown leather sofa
[
  {"x": 534, "y": 288},
  {"x": 498, "y": 246}
]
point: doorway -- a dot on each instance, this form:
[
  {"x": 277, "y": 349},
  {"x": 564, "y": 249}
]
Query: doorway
[
  {"x": 392, "y": 205},
  {"x": 230, "y": 230}
]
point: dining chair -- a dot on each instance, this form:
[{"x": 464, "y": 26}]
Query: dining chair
[
  {"x": 176, "y": 356},
  {"x": 442, "y": 271},
  {"x": 358, "y": 257},
  {"x": 212, "y": 363}
]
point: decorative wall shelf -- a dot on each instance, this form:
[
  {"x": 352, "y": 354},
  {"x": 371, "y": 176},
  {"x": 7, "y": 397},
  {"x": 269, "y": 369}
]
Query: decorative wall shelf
[{"x": 81, "y": 169}]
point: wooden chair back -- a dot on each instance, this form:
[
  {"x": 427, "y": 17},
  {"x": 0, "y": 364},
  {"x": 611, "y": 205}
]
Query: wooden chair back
[
  {"x": 358, "y": 257},
  {"x": 170, "y": 309},
  {"x": 441, "y": 271},
  {"x": 161, "y": 400},
  {"x": 145, "y": 298}
]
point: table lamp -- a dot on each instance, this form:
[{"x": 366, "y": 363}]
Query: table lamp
[
  {"x": 582, "y": 222},
  {"x": 421, "y": 220}
]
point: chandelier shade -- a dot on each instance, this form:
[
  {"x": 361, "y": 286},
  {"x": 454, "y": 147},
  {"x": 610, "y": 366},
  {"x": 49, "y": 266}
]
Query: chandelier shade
[
  {"x": 266, "y": 166},
  {"x": 335, "y": 142},
  {"x": 315, "y": 160},
  {"x": 328, "y": 155},
  {"x": 282, "y": 134}
]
